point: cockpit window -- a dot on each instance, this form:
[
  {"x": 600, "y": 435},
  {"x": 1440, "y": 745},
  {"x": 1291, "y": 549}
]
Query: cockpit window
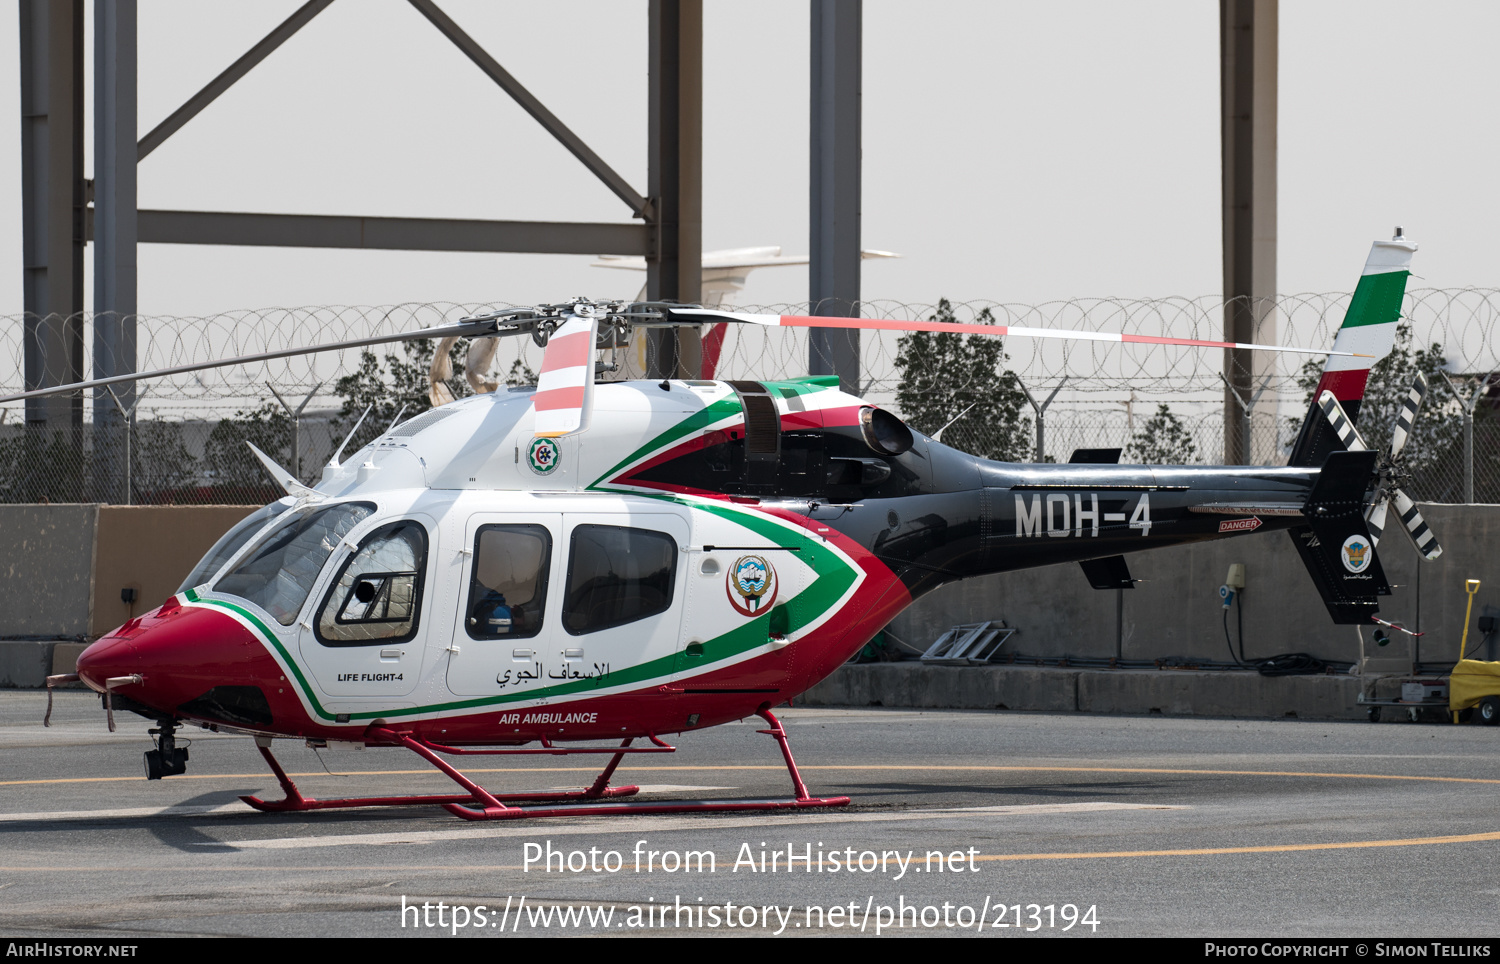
[
  {"x": 231, "y": 542},
  {"x": 278, "y": 573},
  {"x": 378, "y": 593}
]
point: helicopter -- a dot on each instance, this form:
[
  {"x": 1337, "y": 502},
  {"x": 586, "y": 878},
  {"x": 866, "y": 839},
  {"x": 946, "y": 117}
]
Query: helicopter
[{"x": 587, "y": 567}]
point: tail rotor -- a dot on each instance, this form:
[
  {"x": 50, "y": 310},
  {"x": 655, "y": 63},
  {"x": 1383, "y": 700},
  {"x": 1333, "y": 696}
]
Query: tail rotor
[{"x": 1392, "y": 474}]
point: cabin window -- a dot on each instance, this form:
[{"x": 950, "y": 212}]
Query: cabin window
[
  {"x": 617, "y": 575},
  {"x": 278, "y": 573},
  {"x": 378, "y": 592},
  {"x": 508, "y": 591}
]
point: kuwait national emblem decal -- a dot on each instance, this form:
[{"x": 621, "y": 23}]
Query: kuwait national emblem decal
[
  {"x": 751, "y": 585},
  {"x": 543, "y": 456},
  {"x": 1356, "y": 554}
]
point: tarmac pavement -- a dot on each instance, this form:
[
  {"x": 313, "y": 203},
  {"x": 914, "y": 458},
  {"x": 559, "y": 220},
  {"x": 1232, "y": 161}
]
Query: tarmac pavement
[{"x": 996, "y": 824}]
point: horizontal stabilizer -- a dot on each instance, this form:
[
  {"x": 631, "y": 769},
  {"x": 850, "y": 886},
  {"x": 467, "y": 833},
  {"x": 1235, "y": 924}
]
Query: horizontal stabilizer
[
  {"x": 1108, "y": 573},
  {"x": 1342, "y": 484}
]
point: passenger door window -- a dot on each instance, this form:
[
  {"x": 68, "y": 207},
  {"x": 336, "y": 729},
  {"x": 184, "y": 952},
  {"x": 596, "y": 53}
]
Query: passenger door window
[
  {"x": 508, "y": 589},
  {"x": 506, "y": 571},
  {"x": 617, "y": 575}
]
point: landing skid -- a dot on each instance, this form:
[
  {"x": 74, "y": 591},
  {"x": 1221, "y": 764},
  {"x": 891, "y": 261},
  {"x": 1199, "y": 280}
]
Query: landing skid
[{"x": 478, "y": 803}]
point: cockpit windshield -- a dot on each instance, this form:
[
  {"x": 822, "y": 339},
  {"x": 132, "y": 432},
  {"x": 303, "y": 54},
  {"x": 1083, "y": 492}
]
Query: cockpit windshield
[
  {"x": 231, "y": 542},
  {"x": 278, "y": 573}
]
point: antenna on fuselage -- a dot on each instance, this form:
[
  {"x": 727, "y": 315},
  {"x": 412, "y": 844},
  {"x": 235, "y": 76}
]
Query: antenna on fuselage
[
  {"x": 394, "y": 421},
  {"x": 289, "y": 483},
  {"x": 333, "y": 460}
]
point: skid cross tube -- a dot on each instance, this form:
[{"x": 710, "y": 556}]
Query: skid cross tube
[
  {"x": 549, "y": 748},
  {"x": 802, "y": 799},
  {"x": 480, "y": 804},
  {"x": 295, "y": 801}
]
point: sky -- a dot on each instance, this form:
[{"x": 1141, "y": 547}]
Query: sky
[{"x": 1017, "y": 152}]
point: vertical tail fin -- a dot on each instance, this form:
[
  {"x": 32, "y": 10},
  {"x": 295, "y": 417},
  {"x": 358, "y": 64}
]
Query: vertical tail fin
[
  {"x": 1336, "y": 544},
  {"x": 1369, "y": 329}
]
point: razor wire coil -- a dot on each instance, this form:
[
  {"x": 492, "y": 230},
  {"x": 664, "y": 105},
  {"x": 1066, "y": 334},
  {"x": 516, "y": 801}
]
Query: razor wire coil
[{"x": 1110, "y": 390}]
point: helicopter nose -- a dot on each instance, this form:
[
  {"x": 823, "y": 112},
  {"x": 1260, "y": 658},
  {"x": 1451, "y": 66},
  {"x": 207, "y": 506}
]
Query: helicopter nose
[
  {"x": 111, "y": 656},
  {"x": 174, "y": 655}
]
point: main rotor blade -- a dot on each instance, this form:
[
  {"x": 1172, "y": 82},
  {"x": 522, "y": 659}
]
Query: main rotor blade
[
  {"x": 1344, "y": 428},
  {"x": 1409, "y": 406},
  {"x": 565, "y": 386},
  {"x": 1422, "y": 536},
  {"x": 472, "y": 329},
  {"x": 887, "y": 324}
]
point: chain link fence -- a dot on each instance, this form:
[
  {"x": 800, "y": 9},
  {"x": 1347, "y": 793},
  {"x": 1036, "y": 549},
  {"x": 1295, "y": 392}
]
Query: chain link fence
[{"x": 1159, "y": 403}]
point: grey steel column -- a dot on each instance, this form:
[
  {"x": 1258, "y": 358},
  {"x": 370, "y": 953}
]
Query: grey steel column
[
  {"x": 52, "y": 208},
  {"x": 674, "y": 271},
  {"x": 1247, "y": 74},
  {"x": 114, "y": 235},
  {"x": 833, "y": 272}
]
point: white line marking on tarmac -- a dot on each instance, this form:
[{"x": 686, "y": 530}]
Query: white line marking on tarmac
[
  {"x": 658, "y": 824},
  {"x": 235, "y": 807},
  {"x": 183, "y": 811}
]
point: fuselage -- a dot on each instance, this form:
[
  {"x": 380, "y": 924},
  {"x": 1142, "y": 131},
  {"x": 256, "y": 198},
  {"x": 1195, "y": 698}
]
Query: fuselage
[{"x": 698, "y": 551}]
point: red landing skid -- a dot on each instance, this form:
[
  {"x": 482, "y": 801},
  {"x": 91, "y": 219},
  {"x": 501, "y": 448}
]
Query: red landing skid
[{"x": 479, "y": 804}]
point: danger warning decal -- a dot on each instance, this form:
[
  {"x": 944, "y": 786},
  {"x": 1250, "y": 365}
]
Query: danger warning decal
[{"x": 1240, "y": 525}]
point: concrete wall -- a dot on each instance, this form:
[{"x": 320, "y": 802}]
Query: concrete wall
[
  {"x": 46, "y": 569},
  {"x": 62, "y": 568},
  {"x": 151, "y": 549},
  {"x": 1052, "y": 690},
  {"x": 1175, "y": 609}
]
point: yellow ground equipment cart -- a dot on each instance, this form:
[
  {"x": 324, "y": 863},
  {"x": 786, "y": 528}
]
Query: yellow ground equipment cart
[{"x": 1474, "y": 683}]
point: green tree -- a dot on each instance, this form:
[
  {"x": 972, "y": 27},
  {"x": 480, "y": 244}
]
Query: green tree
[
  {"x": 520, "y": 374},
  {"x": 229, "y": 461},
  {"x": 947, "y": 377},
  {"x": 36, "y": 467},
  {"x": 400, "y": 384},
  {"x": 160, "y": 460},
  {"x": 1162, "y": 441}
]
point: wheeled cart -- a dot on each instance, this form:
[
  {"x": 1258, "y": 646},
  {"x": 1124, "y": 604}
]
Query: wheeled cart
[
  {"x": 1418, "y": 693},
  {"x": 1475, "y": 687}
]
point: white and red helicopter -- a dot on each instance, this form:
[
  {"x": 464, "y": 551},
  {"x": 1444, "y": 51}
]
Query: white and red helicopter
[{"x": 526, "y": 571}]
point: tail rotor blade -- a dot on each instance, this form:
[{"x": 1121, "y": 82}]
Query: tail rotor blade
[
  {"x": 1375, "y": 518},
  {"x": 1342, "y": 427},
  {"x": 1425, "y": 541},
  {"x": 1408, "y": 415}
]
